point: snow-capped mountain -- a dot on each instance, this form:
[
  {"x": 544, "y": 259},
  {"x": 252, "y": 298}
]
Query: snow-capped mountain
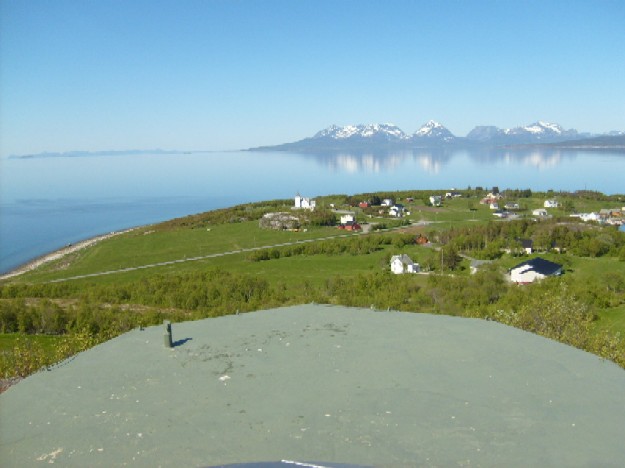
[
  {"x": 539, "y": 129},
  {"x": 387, "y": 132},
  {"x": 431, "y": 135},
  {"x": 433, "y": 129},
  {"x": 537, "y": 132}
]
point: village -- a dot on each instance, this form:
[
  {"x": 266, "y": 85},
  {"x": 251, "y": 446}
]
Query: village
[{"x": 371, "y": 214}]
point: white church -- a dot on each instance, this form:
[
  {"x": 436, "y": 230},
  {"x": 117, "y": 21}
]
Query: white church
[{"x": 303, "y": 203}]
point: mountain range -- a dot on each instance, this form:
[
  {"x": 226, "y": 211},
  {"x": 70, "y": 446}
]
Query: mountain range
[{"x": 435, "y": 135}]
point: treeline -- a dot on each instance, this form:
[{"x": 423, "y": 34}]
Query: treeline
[
  {"x": 209, "y": 293},
  {"x": 488, "y": 241},
  {"x": 356, "y": 245},
  {"x": 46, "y": 317}
]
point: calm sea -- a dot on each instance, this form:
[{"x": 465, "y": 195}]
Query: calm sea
[{"x": 46, "y": 203}]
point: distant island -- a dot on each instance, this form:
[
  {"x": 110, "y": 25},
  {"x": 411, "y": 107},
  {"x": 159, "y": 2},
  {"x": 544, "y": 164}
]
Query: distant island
[
  {"x": 433, "y": 135},
  {"x": 616, "y": 142},
  {"x": 84, "y": 154}
]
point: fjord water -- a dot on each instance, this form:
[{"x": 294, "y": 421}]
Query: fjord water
[{"x": 48, "y": 202}]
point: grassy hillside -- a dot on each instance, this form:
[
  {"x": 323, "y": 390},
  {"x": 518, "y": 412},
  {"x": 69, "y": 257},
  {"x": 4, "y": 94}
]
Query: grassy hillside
[{"x": 222, "y": 262}]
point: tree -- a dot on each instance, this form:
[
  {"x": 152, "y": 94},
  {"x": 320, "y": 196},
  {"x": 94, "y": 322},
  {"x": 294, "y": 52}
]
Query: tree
[
  {"x": 568, "y": 206},
  {"x": 449, "y": 257}
]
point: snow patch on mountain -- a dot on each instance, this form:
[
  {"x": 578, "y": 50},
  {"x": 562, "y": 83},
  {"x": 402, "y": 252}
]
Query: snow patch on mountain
[
  {"x": 388, "y": 131},
  {"x": 433, "y": 129},
  {"x": 538, "y": 128}
]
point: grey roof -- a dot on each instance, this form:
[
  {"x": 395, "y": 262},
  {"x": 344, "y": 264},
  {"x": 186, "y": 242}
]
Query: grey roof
[
  {"x": 404, "y": 258},
  {"x": 322, "y": 383},
  {"x": 526, "y": 243}
]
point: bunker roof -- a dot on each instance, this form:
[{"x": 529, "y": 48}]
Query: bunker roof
[{"x": 324, "y": 384}]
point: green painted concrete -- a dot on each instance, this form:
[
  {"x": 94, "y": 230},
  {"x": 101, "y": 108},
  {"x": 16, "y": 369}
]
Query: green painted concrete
[{"x": 321, "y": 383}]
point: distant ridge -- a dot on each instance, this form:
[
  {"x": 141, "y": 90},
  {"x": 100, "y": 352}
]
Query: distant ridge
[
  {"x": 85, "y": 154},
  {"x": 600, "y": 142},
  {"x": 435, "y": 135}
]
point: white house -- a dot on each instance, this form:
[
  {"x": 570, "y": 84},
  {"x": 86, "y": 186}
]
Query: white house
[
  {"x": 387, "y": 202},
  {"x": 540, "y": 212},
  {"x": 347, "y": 218},
  {"x": 403, "y": 264},
  {"x": 494, "y": 206},
  {"x": 533, "y": 270},
  {"x": 587, "y": 216},
  {"x": 303, "y": 203},
  {"x": 396, "y": 210},
  {"x": 551, "y": 204},
  {"x": 527, "y": 245}
]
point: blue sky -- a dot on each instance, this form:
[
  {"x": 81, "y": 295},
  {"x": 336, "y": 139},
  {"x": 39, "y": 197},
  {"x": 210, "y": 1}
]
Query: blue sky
[{"x": 107, "y": 74}]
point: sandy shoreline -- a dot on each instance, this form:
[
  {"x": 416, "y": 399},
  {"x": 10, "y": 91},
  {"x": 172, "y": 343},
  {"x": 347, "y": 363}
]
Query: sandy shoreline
[{"x": 60, "y": 253}]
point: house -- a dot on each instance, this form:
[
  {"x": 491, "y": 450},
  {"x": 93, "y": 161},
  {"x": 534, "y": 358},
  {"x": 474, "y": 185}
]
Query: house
[
  {"x": 551, "y": 204},
  {"x": 490, "y": 198},
  {"x": 435, "y": 200},
  {"x": 403, "y": 264},
  {"x": 396, "y": 210},
  {"x": 350, "y": 226},
  {"x": 511, "y": 206},
  {"x": 347, "y": 218},
  {"x": 540, "y": 212},
  {"x": 387, "y": 202},
  {"x": 533, "y": 270},
  {"x": 527, "y": 245},
  {"x": 303, "y": 203},
  {"x": 494, "y": 206},
  {"x": 586, "y": 216},
  {"x": 364, "y": 204},
  {"x": 421, "y": 240}
]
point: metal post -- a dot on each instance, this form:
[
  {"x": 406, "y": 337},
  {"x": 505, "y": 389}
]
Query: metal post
[{"x": 167, "y": 334}]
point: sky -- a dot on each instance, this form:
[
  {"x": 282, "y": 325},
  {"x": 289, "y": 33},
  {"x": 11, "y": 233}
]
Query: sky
[{"x": 222, "y": 75}]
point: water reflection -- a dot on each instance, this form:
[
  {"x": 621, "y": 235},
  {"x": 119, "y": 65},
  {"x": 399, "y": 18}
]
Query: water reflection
[{"x": 433, "y": 161}]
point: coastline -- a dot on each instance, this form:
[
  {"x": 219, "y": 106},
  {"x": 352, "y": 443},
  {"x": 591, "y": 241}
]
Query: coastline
[{"x": 59, "y": 253}]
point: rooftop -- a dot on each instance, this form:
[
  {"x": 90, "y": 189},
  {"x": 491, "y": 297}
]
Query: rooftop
[
  {"x": 539, "y": 265},
  {"x": 321, "y": 383}
]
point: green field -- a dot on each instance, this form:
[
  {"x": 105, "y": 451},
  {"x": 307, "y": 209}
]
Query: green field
[{"x": 224, "y": 262}]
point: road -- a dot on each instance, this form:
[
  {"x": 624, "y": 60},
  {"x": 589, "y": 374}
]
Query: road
[
  {"x": 202, "y": 257},
  {"x": 223, "y": 254}
]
